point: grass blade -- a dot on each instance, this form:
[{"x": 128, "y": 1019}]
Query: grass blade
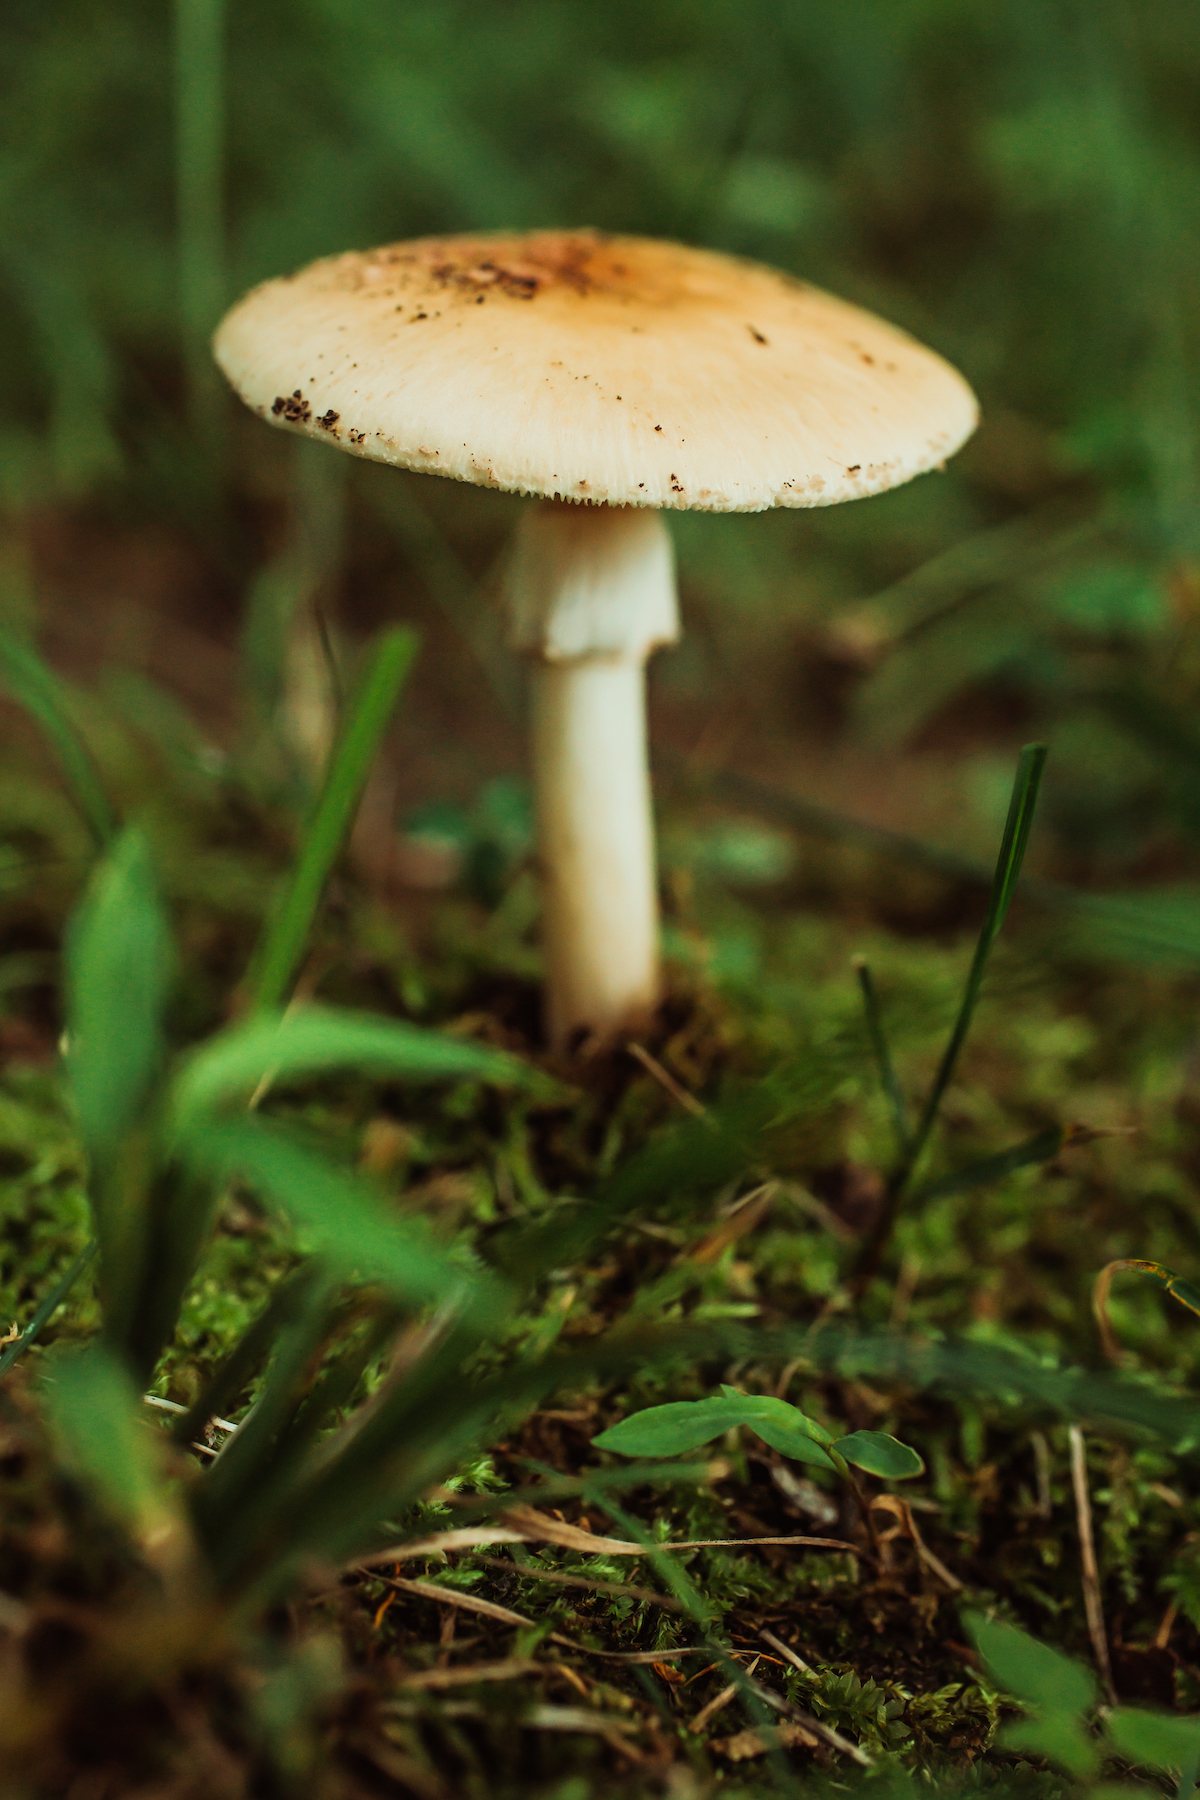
[
  {"x": 245, "y": 1458},
  {"x": 47, "y": 1307},
  {"x": 1040, "y": 1148},
  {"x": 882, "y": 1054},
  {"x": 1017, "y": 827},
  {"x": 283, "y": 944},
  {"x": 1186, "y": 1292},
  {"x": 200, "y": 233},
  {"x": 94, "y": 1408},
  {"x": 347, "y": 1222},
  {"x": 285, "y": 1305},
  {"x": 33, "y": 685},
  {"x": 317, "y": 1040},
  {"x": 119, "y": 959},
  {"x": 1008, "y": 868},
  {"x": 694, "y": 1156}
]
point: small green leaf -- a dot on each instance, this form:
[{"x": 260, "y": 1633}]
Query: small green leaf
[
  {"x": 1153, "y": 1740},
  {"x": 314, "y": 1040},
  {"x": 1033, "y": 1672},
  {"x": 879, "y": 1454},
  {"x": 1058, "y": 1691},
  {"x": 1055, "y": 1736},
  {"x": 686, "y": 1424},
  {"x": 119, "y": 959}
]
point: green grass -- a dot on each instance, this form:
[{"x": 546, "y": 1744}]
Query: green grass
[
  {"x": 282, "y": 1206},
  {"x": 1003, "y": 1266}
]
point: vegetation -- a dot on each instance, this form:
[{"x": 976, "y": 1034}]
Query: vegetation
[{"x": 346, "y": 1327}]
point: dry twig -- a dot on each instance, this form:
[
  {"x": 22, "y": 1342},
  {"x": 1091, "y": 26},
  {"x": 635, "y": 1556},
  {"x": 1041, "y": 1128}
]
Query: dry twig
[{"x": 1087, "y": 1556}]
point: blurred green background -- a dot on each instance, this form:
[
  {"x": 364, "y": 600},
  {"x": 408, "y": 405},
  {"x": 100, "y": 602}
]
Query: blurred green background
[{"x": 1019, "y": 185}]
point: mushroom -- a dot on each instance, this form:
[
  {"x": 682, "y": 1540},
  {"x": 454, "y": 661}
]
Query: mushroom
[{"x": 614, "y": 378}]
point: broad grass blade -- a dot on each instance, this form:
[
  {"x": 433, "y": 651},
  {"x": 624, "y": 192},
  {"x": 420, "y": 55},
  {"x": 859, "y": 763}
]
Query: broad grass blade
[
  {"x": 283, "y": 945},
  {"x": 343, "y": 1219},
  {"x": 1108, "y": 1402},
  {"x": 316, "y": 1040},
  {"x": 33, "y": 686},
  {"x": 1154, "y": 1740},
  {"x": 94, "y": 1407},
  {"x": 119, "y": 966}
]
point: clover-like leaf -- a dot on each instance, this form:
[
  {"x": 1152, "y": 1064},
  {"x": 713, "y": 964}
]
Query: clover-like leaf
[
  {"x": 687, "y": 1424},
  {"x": 879, "y": 1454}
]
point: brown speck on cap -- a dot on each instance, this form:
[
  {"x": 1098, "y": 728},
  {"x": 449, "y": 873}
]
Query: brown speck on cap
[{"x": 751, "y": 432}]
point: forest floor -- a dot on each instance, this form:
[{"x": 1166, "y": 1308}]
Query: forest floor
[{"x": 534, "y": 1665}]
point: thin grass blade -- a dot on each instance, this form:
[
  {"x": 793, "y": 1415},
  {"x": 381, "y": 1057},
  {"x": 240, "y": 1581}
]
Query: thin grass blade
[
  {"x": 282, "y": 947},
  {"x": 286, "y": 1304},
  {"x": 697, "y": 1156},
  {"x": 199, "y": 164},
  {"x": 32, "y": 685},
  {"x": 881, "y": 1051},
  {"x": 47, "y": 1308},
  {"x": 1042, "y": 1147},
  {"x": 1008, "y": 869}
]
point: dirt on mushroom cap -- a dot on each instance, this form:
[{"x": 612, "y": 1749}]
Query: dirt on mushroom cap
[{"x": 596, "y": 368}]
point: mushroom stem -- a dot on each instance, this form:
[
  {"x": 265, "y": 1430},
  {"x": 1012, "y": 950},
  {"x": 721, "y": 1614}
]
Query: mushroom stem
[{"x": 593, "y": 592}]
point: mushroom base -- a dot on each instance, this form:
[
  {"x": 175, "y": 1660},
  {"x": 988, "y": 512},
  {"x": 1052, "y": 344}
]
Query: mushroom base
[{"x": 596, "y": 845}]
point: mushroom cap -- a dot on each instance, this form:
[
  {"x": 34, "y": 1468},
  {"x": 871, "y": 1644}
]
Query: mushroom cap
[{"x": 594, "y": 368}]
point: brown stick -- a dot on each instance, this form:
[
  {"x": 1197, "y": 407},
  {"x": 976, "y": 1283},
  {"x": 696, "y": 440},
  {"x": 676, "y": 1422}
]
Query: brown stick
[
  {"x": 1087, "y": 1556},
  {"x": 667, "y": 1081}
]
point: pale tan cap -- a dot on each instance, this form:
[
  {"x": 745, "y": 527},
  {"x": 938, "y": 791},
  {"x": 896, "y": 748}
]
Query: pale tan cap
[{"x": 597, "y": 368}]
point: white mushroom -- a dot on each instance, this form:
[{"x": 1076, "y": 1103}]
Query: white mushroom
[{"x": 617, "y": 374}]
